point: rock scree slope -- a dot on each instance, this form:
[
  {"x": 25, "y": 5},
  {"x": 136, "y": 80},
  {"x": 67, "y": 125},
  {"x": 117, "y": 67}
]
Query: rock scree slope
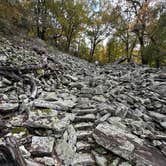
[{"x": 56, "y": 109}]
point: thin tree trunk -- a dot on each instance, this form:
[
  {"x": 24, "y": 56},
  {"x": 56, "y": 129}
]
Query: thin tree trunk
[
  {"x": 42, "y": 33},
  {"x": 127, "y": 47},
  {"x": 69, "y": 37},
  {"x": 92, "y": 51},
  {"x": 127, "y": 51},
  {"x": 68, "y": 42},
  {"x": 37, "y": 19},
  {"x": 143, "y": 58}
]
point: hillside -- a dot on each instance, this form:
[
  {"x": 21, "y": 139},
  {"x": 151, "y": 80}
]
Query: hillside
[{"x": 56, "y": 109}]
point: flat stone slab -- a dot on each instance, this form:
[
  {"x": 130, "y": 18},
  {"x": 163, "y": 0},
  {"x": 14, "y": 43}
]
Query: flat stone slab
[
  {"x": 157, "y": 115},
  {"x": 83, "y": 134},
  {"x": 65, "y": 152},
  {"x": 100, "y": 160},
  {"x": 126, "y": 145},
  {"x": 49, "y": 96},
  {"x": 83, "y": 159},
  {"x": 161, "y": 89},
  {"x": 99, "y": 98},
  {"x": 115, "y": 139},
  {"x": 83, "y": 125},
  {"x": 58, "y": 105},
  {"x": 85, "y": 118},
  {"x": 42, "y": 145},
  {"x": 72, "y": 78},
  {"x": 46, "y": 104},
  {"x": 83, "y": 146},
  {"x": 84, "y": 111},
  {"x": 163, "y": 124},
  {"x": 49, "y": 119},
  {"x": 66, "y": 147},
  {"x": 77, "y": 85},
  {"x": 4, "y": 107}
]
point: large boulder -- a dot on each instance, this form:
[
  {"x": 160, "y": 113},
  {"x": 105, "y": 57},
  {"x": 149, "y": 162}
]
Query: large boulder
[{"x": 118, "y": 139}]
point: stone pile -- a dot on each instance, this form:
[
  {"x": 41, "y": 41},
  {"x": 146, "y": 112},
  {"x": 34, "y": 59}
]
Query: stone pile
[{"x": 87, "y": 115}]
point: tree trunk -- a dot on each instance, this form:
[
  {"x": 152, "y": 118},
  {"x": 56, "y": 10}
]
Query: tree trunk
[
  {"x": 143, "y": 58},
  {"x": 42, "y": 33},
  {"x": 92, "y": 51},
  {"x": 68, "y": 42},
  {"x": 127, "y": 51},
  {"x": 37, "y": 18},
  {"x": 127, "y": 48},
  {"x": 38, "y": 31},
  {"x": 157, "y": 63},
  {"x": 69, "y": 37},
  {"x": 109, "y": 55}
]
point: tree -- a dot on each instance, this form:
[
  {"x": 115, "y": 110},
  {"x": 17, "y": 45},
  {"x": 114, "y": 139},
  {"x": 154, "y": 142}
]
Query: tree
[
  {"x": 142, "y": 14},
  {"x": 71, "y": 16},
  {"x": 155, "y": 51},
  {"x": 40, "y": 16},
  {"x": 98, "y": 24},
  {"x": 10, "y": 16},
  {"x": 120, "y": 22},
  {"x": 115, "y": 49}
]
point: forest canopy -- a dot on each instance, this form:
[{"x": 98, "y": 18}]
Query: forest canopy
[{"x": 103, "y": 30}]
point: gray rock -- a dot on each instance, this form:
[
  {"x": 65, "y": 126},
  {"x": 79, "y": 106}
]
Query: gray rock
[
  {"x": 100, "y": 98},
  {"x": 83, "y": 134},
  {"x": 83, "y": 146},
  {"x": 72, "y": 78},
  {"x": 49, "y": 96},
  {"x": 77, "y": 85},
  {"x": 84, "y": 111},
  {"x": 149, "y": 156},
  {"x": 125, "y": 164},
  {"x": 100, "y": 160},
  {"x": 83, "y": 159},
  {"x": 6, "y": 81},
  {"x": 115, "y": 139},
  {"x": 83, "y": 125},
  {"x": 99, "y": 90},
  {"x": 162, "y": 76},
  {"x": 67, "y": 96},
  {"x": 105, "y": 117},
  {"x": 49, "y": 161},
  {"x": 163, "y": 124},
  {"x": 115, "y": 162},
  {"x": 107, "y": 107},
  {"x": 46, "y": 104},
  {"x": 42, "y": 145},
  {"x": 5, "y": 107},
  {"x": 127, "y": 145},
  {"x": 49, "y": 119},
  {"x": 16, "y": 121},
  {"x": 86, "y": 91},
  {"x": 157, "y": 115},
  {"x": 66, "y": 147},
  {"x": 85, "y": 118},
  {"x": 65, "y": 152},
  {"x": 31, "y": 162},
  {"x": 70, "y": 136},
  {"x": 24, "y": 152},
  {"x": 58, "y": 105},
  {"x": 161, "y": 89}
]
